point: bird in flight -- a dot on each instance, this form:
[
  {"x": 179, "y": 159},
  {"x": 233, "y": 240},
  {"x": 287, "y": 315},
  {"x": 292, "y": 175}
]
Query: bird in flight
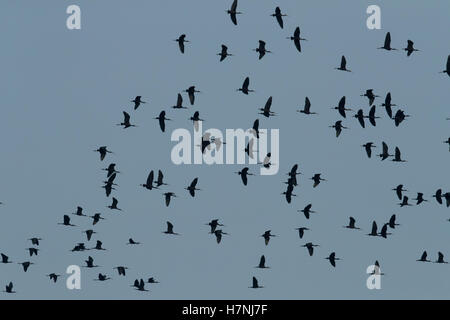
[
  {"x": 410, "y": 48},
  {"x": 9, "y": 288},
  {"x": 137, "y": 102},
  {"x": 168, "y": 196},
  {"x": 267, "y": 235},
  {"x": 213, "y": 225},
  {"x": 255, "y": 284},
  {"x": 162, "y": 120},
  {"x": 179, "y": 104},
  {"x": 398, "y": 191},
  {"x": 388, "y": 105},
  {"x": 397, "y": 156},
  {"x": 262, "y": 49},
  {"x": 170, "y": 229},
  {"x": 368, "y": 147},
  {"x": 343, "y": 66},
  {"x": 387, "y": 43},
  {"x": 191, "y": 91},
  {"x": 244, "y": 175},
  {"x": 341, "y": 107},
  {"x": 224, "y": 53},
  {"x": 351, "y": 224},
  {"x": 53, "y": 277},
  {"x": 332, "y": 258},
  {"x": 447, "y": 67},
  {"x": 232, "y": 12},
  {"x": 385, "y": 153},
  {"x": 279, "y": 16},
  {"x": 440, "y": 258},
  {"x": 262, "y": 263},
  {"x": 301, "y": 231},
  {"x": 266, "y": 110},
  {"x": 307, "y": 211},
  {"x": 317, "y": 179},
  {"x": 181, "y": 40},
  {"x": 370, "y": 95},
  {"x": 244, "y": 89},
  {"x": 113, "y": 205},
  {"x": 192, "y": 187},
  {"x": 307, "y": 107},
  {"x": 423, "y": 257},
  {"x": 126, "y": 121},
  {"x": 103, "y": 151},
  {"x": 296, "y": 38},
  {"x": 338, "y": 127},
  {"x": 310, "y": 246}
]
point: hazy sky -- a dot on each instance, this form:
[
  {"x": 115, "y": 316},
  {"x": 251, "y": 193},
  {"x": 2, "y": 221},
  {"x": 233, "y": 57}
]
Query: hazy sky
[{"x": 62, "y": 92}]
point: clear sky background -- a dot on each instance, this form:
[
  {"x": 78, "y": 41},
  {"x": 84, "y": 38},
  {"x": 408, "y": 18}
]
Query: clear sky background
[{"x": 62, "y": 92}]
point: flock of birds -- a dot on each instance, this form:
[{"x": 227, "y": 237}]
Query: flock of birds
[{"x": 153, "y": 182}]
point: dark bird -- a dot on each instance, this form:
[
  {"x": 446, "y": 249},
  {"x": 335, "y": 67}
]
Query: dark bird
[
  {"x": 9, "y": 288},
  {"x": 307, "y": 210},
  {"x": 374, "y": 232},
  {"x": 266, "y": 110},
  {"x": 448, "y": 142},
  {"x": 244, "y": 89},
  {"x": 341, "y": 107},
  {"x": 360, "y": 116},
  {"x": 296, "y": 38},
  {"x": 137, "y": 102},
  {"x": 410, "y": 48},
  {"x": 255, "y": 284},
  {"x": 214, "y": 224},
  {"x": 398, "y": 191},
  {"x": 66, "y": 222},
  {"x": 293, "y": 174},
  {"x": 103, "y": 151},
  {"x": 232, "y": 12},
  {"x": 420, "y": 198},
  {"x": 385, "y": 153},
  {"x": 121, "y": 270},
  {"x": 90, "y": 263},
  {"x": 438, "y": 196},
  {"x": 113, "y": 205},
  {"x": 35, "y": 241},
  {"x": 399, "y": 117},
  {"x": 218, "y": 233},
  {"x": 32, "y": 251},
  {"x": 98, "y": 246},
  {"x": 392, "y": 223},
  {"x": 310, "y": 246},
  {"x": 279, "y": 16},
  {"x": 377, "y": 269},
  {"x": 387, "y": 43},
  {"x": 397, "y": 156},
  {"x": 267, "y": 235},
  {"x": 244, "y": 174},
  {"x": 159, "y": 181},
  {"x": 191, "y": 91},
  {"x": 332, "y": 258},
  {"x": 343, "y": 66},
  {"x": 370, "y": 95},
  {"x": 53, "y": 276},
  {"x": 96, "y": 218},
  {"x": 89, "y": 234},
  {"x": 162, "y": 120},
  {"x": 316, "y": 178},
  {"x": 447, "y": 199},
  {"x": 79, "y": 212},
  {"x": 168, "y": 196},
  {"x": 338, "y": 127},
  {"x": 179, "y": 104},
  {"x": 289, "y": 193},
  {"x": 301, "y": 231},
  {"x": 262, "y": 49},
  {"x": 79, "y": 248},
  {"x": 149, "y": 183},
  {"x": 307, "y": 107},
  {"x": 440, "y": 258},
  {"x": 351, "y": 224},
  {"x": 132, "y": 242},
  {"x": 170, "y": 229},
  {"x": 368, "y": 147},
  {"x": 224, "y": 53},
  {"x": 192, "y": 187},
  {"x": 26, "y": 265},
  {"x": 111, "y": 170},
  {"x": 388, "y": 105},
  {"x": 196, "y": 119},
  {"x": 372, "y": 117},
  {"x": 255, "y": 128},
  {"x": 108, "y": 188},
  {"x": 181, "y": 40},
  {"x": 102, "y": 277},
  {"x": 423, "y": 257},
  {"x": 5, "y": 259},
  {"x": 404, "y": 202},
  {"x": 384, "y": 232},
  {"x": 126, "y": 121},
  {"x": 447, "y": 68},
  {"x": 140, "y": 285},
  {"x": 152, "y": 280},
  {"x": 262, "y": 263}
]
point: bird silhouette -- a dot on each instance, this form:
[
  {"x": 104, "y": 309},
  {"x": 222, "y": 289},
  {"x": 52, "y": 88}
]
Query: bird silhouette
[
  {"x": 126, "y": 121},
  {"x": 266, "y": 110},
  {"x": 343, "y": 66},
  {"x": 192, "y": 187},
  {"x": 191, "y": 91},
  {"x": 35, "y": 241},
  {"x": 398, "y": 191},
  {"x": 399, "y": 117},
  {"x": 53, "y": 277},
  {"x": 179, "y": 104},
  {"x": 341, "y": 107},
  {"x": 90, "y": 263},
  {"x": 121, "y": 270},
  {"x": 160, "y": 180},
  {"x": 372, "y": 117},
  {"x": 262, "y": 263},
  {"x": 255, "y": 284},
  {"x": 5, "y": 259},
  {"x": 103, "y": 151},
  {"x": 132, "y": 242},
  {"x": 397, "y": 156},
  {"x": 26, "y": 265},
  {"x": 360, "y": 117},
  {"x": 196, "y": 119},
  {"x": 297, "y": 39},
  {"x": 279, "y": 16},
  {"x": 307, "y": 211},
  {"x": 89, "y": 234},
  {"x": 9, "y": 288},
  {"x": 111, "y": 169},
  {"x": 149, "y": 183},
  {"x": 162, "y": 120},
  {"x": 419, "y": 199},
  {"x": 168, "y": 196},
  {"x": 404, "y": 202},
  {"x": 224, "y": 53},
  {"x": 137, "y": 102},
  {"x": 351, "y": 224},
  {"x": 392, "y": 224},
  {"x": 307, "y": 107},
  {"x": 113, "y": 205},
  {"x": 385, "y": 153},
  {"x": 387, "y": 43},
  {"x": 368, "y": 147},
  {"x": 218, "y": 233},
  {"x": 388, "y": 105},
  {"x": 262, "y": 49},
  {"x": 96, "y": 218},
  {"x": 66, "y": 222},
  {"x": 181, "y": 41},
  {"x": 244, "y": 175},
  {"x": 410, "y": 48},
  {"x": 214, "y": 224},
  {"x": 170, "y": 229},
  {"x": 301, "y": 231},
  {"x": 438, "y": 196},
  {"x": 233, "y": 12},
  {"x": 267, "y": 235},
  {"x": 423, "y": 257},
  {"x": 440, "y": 258},
  {"x": 374, "y": 232},
  {"x": 338, "y": 127},
  {"x": 332, "y": 258},
  {"x": 310, "y": 246},
  {"x": 317, "y": 179},
  {"x": 244, "y": 89},
  {"x": 370, "y": 95},
  {"x": 447, "y": 67}
]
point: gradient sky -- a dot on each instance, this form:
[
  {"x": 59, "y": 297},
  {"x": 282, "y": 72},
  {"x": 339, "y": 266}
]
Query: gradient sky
[{"x": 62, "y": 92}]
